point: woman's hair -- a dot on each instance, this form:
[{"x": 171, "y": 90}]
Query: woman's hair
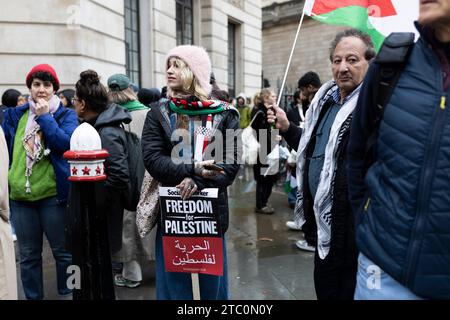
[
  {"x": 122, "y": 97},
  {"x": 191, "y": 85},
  {"x": 257, "y": 99},
  {"x": 265, "y": 94},
  {"x": 92, "y": 91},
  {"x": 68, "y": 94},
  {"x": 10, "y": 97},
  {"x": 43, "y": 76}
]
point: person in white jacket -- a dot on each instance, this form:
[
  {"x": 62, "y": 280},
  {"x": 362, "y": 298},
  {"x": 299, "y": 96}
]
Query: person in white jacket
[{"x": 8, "y": 277}]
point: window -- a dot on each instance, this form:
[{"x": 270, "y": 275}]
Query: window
[
  {"x": 184, "y": 18},
  {"x": 232, "y": 60},
  {"x": 132, "y": 53}
]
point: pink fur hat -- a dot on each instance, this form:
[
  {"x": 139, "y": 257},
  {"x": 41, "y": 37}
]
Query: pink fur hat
[{"x": 198, "y": 61}]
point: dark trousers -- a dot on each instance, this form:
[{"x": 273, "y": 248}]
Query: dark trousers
[
  {"x": 334, "y": 280},
  {"x": 263, "y": 191},
  {"x": 309, "y": 228}
]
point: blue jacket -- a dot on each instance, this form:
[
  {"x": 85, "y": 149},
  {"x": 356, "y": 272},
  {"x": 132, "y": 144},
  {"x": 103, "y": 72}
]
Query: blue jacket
[
  {"x": 57, "y": 139},
  {"x": 403, "y": 205}
]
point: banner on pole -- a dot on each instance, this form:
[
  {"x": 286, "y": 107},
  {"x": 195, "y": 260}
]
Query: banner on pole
[{"x": 191, "y": 235}]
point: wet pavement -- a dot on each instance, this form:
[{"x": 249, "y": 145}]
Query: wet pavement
[{"x": 263, "y": 262}]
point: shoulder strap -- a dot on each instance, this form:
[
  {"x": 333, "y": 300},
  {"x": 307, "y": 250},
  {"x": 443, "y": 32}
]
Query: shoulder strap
[
  {"x": 392, "y": 59},
  {"x": 254, "y": 117},
  {"x": 61, "y": 115}
]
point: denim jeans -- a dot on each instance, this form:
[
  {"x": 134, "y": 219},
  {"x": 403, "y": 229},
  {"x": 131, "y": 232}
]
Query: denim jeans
[
  {"x": 32, "y": 220},
  {"x": 178, "y": 286},
  {"x": 292, "y": 197},
  {"x": 372, "y": 283}
]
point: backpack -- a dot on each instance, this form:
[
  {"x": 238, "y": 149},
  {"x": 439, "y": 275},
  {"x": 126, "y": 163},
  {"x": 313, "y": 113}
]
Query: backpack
[
  {"x": 392, "y": 59},
  {"x": 136, "y": 169}
]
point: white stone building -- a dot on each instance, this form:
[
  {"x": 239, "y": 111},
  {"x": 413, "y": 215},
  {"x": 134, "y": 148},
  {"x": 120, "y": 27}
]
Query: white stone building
[{"x": 132, "y": 36}]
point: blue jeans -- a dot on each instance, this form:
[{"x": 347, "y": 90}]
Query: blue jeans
[
  {"x": 292, "y": 197},
  {"x": 11, "y": 223},
  {"x": 31, "y": 220},
  {"x": 375, "y": 284},
  {"x": 178, "y": 286}
]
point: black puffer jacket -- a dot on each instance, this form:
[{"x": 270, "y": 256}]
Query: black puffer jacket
[
  {"x": 108, "y": 125},
  {"x": 157, "y": 148}
]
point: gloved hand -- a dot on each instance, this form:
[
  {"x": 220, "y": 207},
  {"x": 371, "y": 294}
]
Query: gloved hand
[{"x": 207, "y": 169}]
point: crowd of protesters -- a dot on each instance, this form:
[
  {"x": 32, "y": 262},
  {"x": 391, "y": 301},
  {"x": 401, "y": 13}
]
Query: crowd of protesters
[{"x": 367, "y": 168}]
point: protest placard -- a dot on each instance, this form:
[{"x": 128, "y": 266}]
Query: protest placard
[{"x": 192, "y": 239}]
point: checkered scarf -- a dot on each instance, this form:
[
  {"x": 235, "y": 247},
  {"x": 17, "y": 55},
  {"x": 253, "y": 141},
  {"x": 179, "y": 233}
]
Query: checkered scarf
[
  {"x": 194, "y": 107},
  {"x": 323, "y": 201},
  {"x": 200, "y": 120}
]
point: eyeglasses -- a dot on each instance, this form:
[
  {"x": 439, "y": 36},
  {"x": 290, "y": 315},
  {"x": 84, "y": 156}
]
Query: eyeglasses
[{"x": 74, "y": 99}]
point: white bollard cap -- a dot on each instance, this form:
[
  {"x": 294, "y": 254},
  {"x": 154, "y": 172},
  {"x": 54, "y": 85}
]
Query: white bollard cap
[{"x": 85, "y": 138}]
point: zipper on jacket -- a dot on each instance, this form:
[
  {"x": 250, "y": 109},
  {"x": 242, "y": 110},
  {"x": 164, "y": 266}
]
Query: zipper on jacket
[
  {"x": 424, "y": 191},
  {"x": 366, "y": 207}
]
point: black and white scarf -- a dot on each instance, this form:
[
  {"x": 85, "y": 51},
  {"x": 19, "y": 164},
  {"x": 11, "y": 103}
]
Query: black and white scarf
[{"x": 323, "y": 201}]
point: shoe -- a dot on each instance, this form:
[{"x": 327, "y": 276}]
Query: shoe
[
  {"x": 303, "y": 245},
  {"x": 293, "y": 226},
  {"x": 265, "y": 210},
  {"x": 120, "y": 281},
  {"x": 66, "y": 296}
]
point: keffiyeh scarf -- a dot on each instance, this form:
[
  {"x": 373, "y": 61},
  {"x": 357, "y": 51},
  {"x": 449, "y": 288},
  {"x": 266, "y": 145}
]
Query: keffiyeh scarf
[{"x": 323, "y": 201}]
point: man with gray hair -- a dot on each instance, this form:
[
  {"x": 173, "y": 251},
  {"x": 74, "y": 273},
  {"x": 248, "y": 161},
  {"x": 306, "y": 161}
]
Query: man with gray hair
[{"x": 322, "y": 162}]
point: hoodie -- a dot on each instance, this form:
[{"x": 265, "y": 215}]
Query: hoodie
[{"x": 109, "y": 126}]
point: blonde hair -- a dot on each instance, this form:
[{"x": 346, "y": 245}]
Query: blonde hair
[
  {"x": 191, "y": 86},
  {"x": 265, "y": 95},
  {"x": 257, "y": 98},
  {"x": 122, "y": 97}
]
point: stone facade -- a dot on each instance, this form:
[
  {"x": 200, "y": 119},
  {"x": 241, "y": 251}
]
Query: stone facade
[
  {"x": 280, "y": 23},
  {"x": 74, "y": 35},
  {"x": 71, "y": 35},
  {"x": 246, "y": 15}
]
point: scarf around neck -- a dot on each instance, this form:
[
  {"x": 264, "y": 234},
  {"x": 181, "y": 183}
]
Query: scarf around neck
[
  {"x": 133, "y": 105},
  {"x": 323, "y": 201},
  {"x": 32, "y": 141},
  {"x": 194, "y": 107}
]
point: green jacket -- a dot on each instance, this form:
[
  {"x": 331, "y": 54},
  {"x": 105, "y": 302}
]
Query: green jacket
[{"x": 245, "y": 118}]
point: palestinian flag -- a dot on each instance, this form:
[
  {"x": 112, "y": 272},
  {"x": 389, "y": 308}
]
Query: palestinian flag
[{"x": 378, "y": 18}]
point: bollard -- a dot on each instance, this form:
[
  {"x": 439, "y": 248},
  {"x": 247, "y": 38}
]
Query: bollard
[{"x": 87, "y": 231}]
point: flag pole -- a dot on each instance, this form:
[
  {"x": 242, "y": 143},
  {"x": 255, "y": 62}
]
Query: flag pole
[{"x": 280, "y": 94}]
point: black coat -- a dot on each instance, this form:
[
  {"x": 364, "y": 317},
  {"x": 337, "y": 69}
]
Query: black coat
[
  {"x": 294, "y": 116},
  {"x": 157, "y": 148},
  {"x": 266, "y": 142},
  {"x": 343, "y": 251},
  {"x": 108, "y": 125}
]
